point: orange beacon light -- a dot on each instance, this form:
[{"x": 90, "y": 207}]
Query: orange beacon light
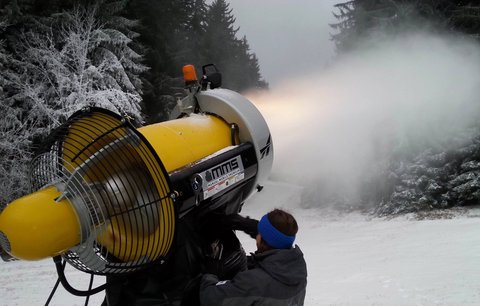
[{"x": 189, "y": 74}]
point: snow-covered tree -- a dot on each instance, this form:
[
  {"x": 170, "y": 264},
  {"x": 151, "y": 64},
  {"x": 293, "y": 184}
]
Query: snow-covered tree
[
  {"x": 14, "y": 143},
  {"x": 84, "y": 64},
  {"x": 432, "y": 179},
  {"x": 74, "y": 60}
]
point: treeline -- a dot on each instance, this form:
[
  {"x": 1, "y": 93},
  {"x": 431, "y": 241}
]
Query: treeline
[
  {"x": 164, "y": 34},
  {"x": 358, "y": 19},
  {"x": 58, "y": 56}
]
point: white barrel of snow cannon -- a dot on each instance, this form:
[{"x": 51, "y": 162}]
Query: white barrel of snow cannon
[
  {"x": 227, "y": 177},
  {"x": 252, "y": 127}
]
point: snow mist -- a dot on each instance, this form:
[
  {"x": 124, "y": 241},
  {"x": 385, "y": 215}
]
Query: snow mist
[{"x": 333, "y": 132}]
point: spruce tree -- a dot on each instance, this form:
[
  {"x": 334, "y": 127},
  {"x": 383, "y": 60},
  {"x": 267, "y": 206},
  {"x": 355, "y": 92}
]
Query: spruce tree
[
  {"x": 231, "y": 55},
  {"x": 220, "y": 40},
  {"x": 79, "y": 64},
  {"x": 194, "y": 33},
  {"x": 357, "y": 19},
  {"x": 160, "y": 23},
  {"x": 14, "y": 141},
  {"x": 69, "y": 61}
]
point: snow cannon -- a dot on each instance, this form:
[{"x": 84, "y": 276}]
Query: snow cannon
[{"x": 107, "y": 195}]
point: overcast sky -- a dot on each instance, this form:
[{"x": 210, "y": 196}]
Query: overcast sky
[{"x": 289, "y": 37}]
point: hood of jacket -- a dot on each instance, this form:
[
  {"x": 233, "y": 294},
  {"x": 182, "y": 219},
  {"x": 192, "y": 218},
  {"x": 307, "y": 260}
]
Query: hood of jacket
[{"x": 287, "y": 266}]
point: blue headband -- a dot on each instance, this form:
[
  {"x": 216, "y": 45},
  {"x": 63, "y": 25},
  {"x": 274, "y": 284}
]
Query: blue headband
[{"x": 272, "y": 236}]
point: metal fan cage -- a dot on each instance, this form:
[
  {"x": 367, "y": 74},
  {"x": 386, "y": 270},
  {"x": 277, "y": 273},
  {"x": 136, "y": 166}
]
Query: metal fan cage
[{"x": 118, "y": 186}]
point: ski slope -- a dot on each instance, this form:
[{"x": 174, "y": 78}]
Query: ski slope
[{"x": 352, "y": 259}]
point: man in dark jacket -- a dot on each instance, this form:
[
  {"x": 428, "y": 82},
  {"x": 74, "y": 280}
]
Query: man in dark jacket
[{"x": 277, "y": 273}]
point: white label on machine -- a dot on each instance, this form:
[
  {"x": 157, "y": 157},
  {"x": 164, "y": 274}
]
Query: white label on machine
[{"x": 222, "y": 176}]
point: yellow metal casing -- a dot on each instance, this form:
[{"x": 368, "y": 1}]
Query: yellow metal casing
[
  {"x": 182, "y": 141},
  {"x": 38, "y": 227}
]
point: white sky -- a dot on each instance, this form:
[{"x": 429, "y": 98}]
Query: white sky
[{"x": 289, "y": 37}]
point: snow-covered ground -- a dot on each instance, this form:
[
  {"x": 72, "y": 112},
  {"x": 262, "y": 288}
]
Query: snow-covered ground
[{"x": 352, "y": 259}]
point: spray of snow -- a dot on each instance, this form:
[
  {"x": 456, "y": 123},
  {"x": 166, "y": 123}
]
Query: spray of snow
[{"x": 333, "y": 129}]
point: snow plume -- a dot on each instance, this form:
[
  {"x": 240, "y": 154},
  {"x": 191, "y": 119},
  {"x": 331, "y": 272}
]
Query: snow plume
[{"x": 335, "y": 131}]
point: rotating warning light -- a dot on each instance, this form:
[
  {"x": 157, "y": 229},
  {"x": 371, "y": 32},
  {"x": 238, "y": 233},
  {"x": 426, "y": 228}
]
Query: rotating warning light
[{"x": 189, "y": 74}]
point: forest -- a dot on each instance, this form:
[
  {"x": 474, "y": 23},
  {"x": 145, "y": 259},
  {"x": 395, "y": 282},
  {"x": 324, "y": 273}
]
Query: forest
[{"x": 57, "y": 57}]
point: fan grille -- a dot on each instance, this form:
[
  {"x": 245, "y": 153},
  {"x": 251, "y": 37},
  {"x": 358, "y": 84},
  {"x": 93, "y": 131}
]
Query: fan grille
[{"x": 118, "y": 187}]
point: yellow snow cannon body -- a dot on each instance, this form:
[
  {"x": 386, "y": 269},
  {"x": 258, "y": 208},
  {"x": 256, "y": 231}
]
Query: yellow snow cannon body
[{"x": 107, "y": 195}]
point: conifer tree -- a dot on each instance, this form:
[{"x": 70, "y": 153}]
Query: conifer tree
[
  {"x": 159, "y": 27},
  {"x": 231, "y": 55},
  {"x": 194, "y": 33},
  {"x": 464, "y": 16},
  {"x": 220, "y": 40},
  {"x": 83, "y": 63},
  {"x": 357, "y": 19},
  {"x": 48, "y": 75},
  {"x": 247, "y": 64},
  {"x": 14, "y": 142}
]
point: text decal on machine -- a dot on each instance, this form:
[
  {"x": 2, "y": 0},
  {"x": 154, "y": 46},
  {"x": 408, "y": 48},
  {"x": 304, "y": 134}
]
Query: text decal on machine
[{"x": 222, "y": 176}]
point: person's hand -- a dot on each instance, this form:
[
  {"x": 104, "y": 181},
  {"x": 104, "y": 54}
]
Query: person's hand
[
  {"x": 213, "y": 266},
  {"x": 244, "y": 224}
]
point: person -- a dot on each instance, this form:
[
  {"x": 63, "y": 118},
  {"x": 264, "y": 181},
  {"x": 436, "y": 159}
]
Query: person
[{"x": 276, "y": 274}]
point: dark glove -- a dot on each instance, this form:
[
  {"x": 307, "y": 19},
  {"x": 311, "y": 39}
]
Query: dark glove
[
  {"x": 213, "y": 266},
  {"x": 244, "y": 224},
  {"x": 213, "y": 263},
  {"x": 223, "y": 262}
]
